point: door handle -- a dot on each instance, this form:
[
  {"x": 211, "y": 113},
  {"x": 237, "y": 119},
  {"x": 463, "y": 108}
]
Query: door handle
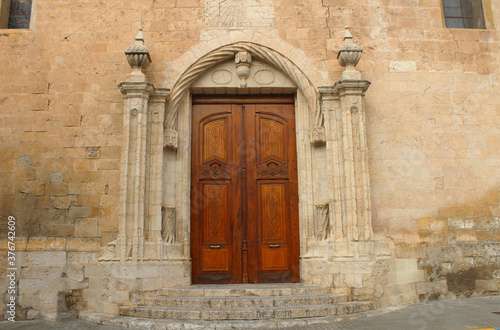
[
  {"x": 215, "y": 246},
  {"x": 274, "y": 245}
]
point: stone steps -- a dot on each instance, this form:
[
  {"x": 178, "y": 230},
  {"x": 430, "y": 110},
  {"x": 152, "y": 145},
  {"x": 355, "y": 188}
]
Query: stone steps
[
  {"x": 238, "y": 290},
  {"x": 246, "y": 302},
  {"x": 262, "y": 313}
]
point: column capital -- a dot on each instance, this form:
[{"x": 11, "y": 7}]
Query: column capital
[
  {"x": 159, "y": 95},
  {"x": 135, "y": 89},
  {"x": 352, "y": 87},
  {"x": 328, "y": 93}
]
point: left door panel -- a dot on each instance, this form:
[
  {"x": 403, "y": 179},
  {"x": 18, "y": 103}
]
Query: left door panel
[{"x": 213, "y": 199}]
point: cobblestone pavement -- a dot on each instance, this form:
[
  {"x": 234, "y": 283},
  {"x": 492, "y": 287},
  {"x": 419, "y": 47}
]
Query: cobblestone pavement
[{"x": 478, "y": 313}]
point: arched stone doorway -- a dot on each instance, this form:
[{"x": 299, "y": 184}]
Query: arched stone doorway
[
  {"x": 217, "y": 74},
  {"x": 333, "y": 185}
]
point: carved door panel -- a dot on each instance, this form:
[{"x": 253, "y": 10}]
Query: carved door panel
[
  {"x": 214, "y": 200},
  {"x": 244, "y": 216}
]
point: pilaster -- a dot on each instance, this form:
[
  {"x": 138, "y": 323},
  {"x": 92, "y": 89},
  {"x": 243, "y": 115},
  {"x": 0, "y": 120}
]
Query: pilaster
[
  {"x": 133, "y": 169},
  {"x": 344, "y": 116},
  {"x": 356, "y": 185},
  {"x": 330, "y": 104},
  {"x": 153, "y": 224}
]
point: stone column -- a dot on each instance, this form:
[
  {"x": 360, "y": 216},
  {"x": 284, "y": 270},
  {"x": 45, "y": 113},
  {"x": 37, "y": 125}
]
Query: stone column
[
  {"x": 133, "y": 169},
  {"x": 344, "y": 115},
  {"x": 356, "y": 209},
  {"x": 356, "y": 186},
  {"x": 153, "y": 224},
  {"x": 330, "y": 104},
  {"x": 136, "y": 92}
]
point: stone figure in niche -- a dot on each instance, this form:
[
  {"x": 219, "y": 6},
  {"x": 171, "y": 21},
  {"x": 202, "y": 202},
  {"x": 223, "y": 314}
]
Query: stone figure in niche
[
  {"x": 322, "y": 222},
  {"x": 168, "y": 224}
]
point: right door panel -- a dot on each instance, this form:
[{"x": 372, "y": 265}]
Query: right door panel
[{"x": 272, "y": 188}]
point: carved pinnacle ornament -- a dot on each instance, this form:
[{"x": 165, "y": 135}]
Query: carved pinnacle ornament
[
  {"x": 138, "y": 57},
  {"x": 349, "y": 57}
]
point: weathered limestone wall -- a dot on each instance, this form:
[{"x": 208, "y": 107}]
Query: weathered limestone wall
[{"x": 432, "y": 131}]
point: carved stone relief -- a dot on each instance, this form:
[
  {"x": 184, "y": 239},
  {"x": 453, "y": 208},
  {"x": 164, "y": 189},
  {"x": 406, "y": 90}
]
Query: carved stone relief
[
  {"x": 168, "y": 224},
  {"x": 239, "y": 13},
  {"x": 260, "y": 75},
  {"x": 322, "y": 218},
  {"x": 264, "y": 77},
  {"x": 227, "y": 52},
  {"x": 170, "y": 138},
  {"x": 222, "y": 77},
  {"x": 243, "y": 60}
]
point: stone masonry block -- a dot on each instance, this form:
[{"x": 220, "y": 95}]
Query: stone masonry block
[
  {"x": 403, "y": 265},
  {"x": 95, "y": 284},
  {"x": 488, "y": 286},
  {"x": 35, "y": 272},
  {"x": 110, "y": 308},
  {"x": 438, "y": 287},
  {"x": 86, "y": 227},
  {"x": 44, "y": 258},
  {"x": 37, "y": 243},
  {"x": 406, "y": 277},
  {"x": 124, "y": 271},
  {"x": 83, "y": 211},
  {"x": 56, "y": 243},
  {"x": 151, "y": 284},
  {"x": 92, "y": 271},
  {"x": 148, "y": 271},
  {"x": 84, "y": 244}
]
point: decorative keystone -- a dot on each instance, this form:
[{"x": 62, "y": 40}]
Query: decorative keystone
[
  {"x": 349, "y": 57},
  {"x": 138, "y": 57},
  {"x": 243, "y": 60}
]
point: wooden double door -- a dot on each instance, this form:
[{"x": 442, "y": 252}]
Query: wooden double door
[{"x": 244, "y": 200}]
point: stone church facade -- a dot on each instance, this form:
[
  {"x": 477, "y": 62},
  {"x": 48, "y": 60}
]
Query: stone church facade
[{"x": 249, "y": 141}]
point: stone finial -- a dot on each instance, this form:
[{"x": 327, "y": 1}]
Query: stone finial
[
  {"x": 138, "y": 57},
  {"x": 349, "y": 57},
  {"x": 347, "y": 36},
  {"x": 243, "y": 60}
]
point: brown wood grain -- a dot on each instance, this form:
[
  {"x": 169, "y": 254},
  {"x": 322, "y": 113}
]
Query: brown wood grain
[{"x": 244, "y": 199}]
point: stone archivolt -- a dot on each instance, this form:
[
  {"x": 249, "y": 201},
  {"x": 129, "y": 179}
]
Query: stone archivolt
[{"x": 224, "y": 53}]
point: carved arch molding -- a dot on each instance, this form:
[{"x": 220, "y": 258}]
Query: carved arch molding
[
  {"x": 339, "y": 210},
  {"x": 224, "y": 53}
]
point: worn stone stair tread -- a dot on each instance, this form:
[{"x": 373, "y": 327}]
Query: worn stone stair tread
[
  {"x": 229, "y": 290},
  {"x": 275, "y": 312},
  {"x": 245, "y": 301},
  {"x": 314, "y": 295},
  {"x": 171, "y": 324},
  {"x": 347, "y": 303}
]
